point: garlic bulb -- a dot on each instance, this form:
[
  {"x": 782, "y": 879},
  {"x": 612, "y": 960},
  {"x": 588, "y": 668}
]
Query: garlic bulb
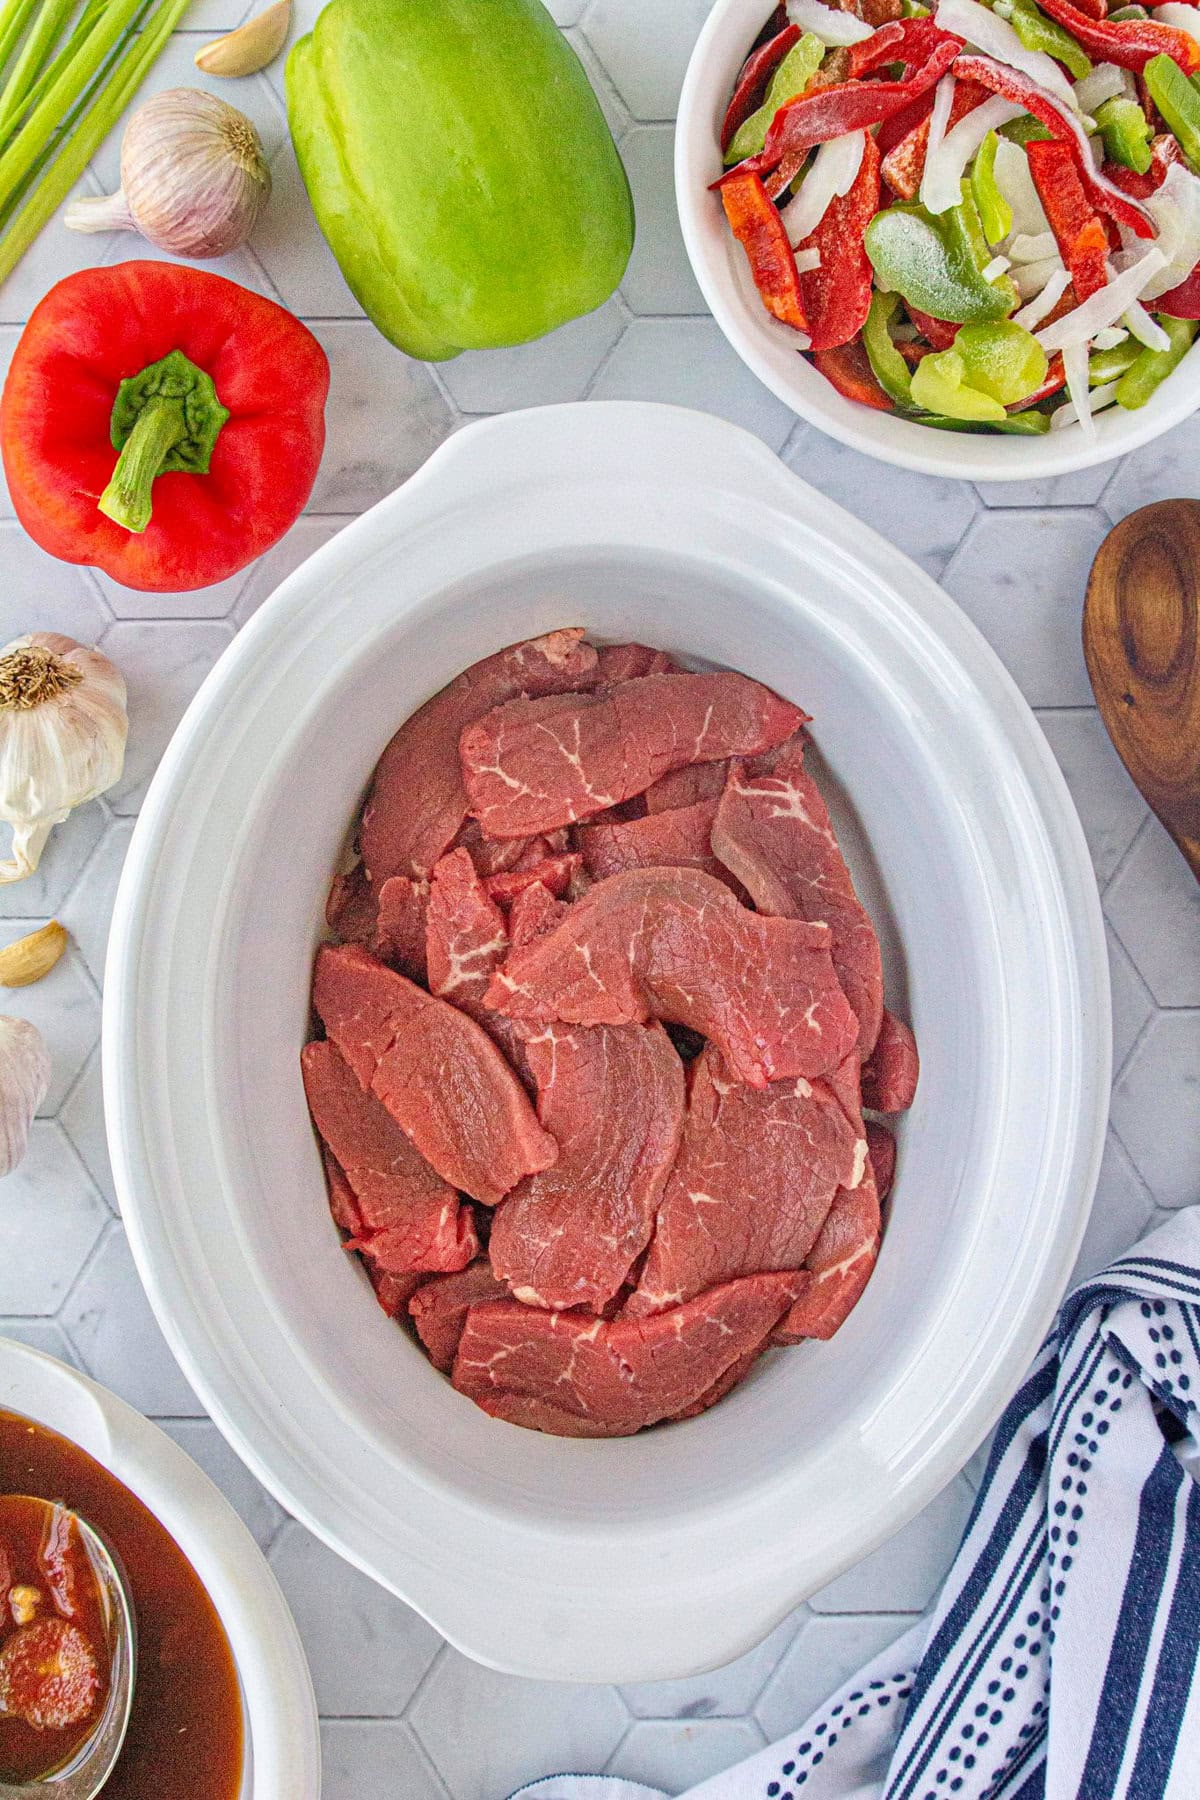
[
  {"x": 24, "y": 1081},
  {"x": 193, "y": 177},
  {"x": 62, "y": 738}
]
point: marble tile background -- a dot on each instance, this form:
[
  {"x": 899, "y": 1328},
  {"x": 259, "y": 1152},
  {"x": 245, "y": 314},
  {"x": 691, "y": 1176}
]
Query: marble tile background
[{"x": 407, "y": 1718}]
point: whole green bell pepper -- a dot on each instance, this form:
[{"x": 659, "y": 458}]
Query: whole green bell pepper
[{"x": 460, "y": 169}]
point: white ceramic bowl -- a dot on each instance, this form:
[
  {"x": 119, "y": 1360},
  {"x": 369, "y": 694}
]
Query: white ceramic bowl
[
  {"x": 674, "y": 1551},
  {"x": 283, "y": 1753},
  {"x": 768, "y": 347}
]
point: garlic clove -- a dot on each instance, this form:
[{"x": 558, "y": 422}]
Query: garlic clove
[
  {"x": 251, "y": 47},
  {"x": 28, "y": 958},
  {"x": 24, "y": 1084},
  {"x": 62, "y": 738}
]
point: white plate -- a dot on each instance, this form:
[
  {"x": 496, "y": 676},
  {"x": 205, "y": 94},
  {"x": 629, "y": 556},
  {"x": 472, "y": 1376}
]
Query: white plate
[
  {"x": 283, "y": 1751},
  {"x": 677, "y": 1550}
]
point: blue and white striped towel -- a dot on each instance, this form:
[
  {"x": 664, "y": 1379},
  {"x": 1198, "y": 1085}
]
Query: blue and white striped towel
[{"x": 1060, "y": 1662}]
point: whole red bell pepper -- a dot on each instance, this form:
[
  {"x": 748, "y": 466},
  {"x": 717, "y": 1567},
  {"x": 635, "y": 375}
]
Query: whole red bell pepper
[
  {"x": 751, "y": 88},
  {"x": 837, "y": 294},
  {"x": 1078, "y": 229},
  {"x": 1130, "y": 43},
  {"x": 760, "y": 231},
  {"x": 161, "y": 423}
]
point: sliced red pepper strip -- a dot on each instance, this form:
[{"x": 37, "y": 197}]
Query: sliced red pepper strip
[
  {"x": 837, "y": 294},
  {"x": 1078, "y": 229},
  {"x": 904, "y": 164},
  {"x": 1130, "y": 43},
  {"x": 1000, "y": 78},
  {"x": 1056, "y": 378},
  {"x": 940, "y": 334},
  {"x": 1163, "y": 152},
  {"x": 894, "y": 130},
  {"x": 757, "y": 71},
  {"x": 816, "y": 116},
  {"x": 908, "y": 41},
  {"x": 1182, "y": 302},
  {"x": 760, "y": 231},
  {"x": 1097, "y": 9},
  {"x": 848, "y": 370}
]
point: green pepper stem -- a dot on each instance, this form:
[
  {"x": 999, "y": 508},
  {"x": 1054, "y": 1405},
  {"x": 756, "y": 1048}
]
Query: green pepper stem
[{"x": 159, "y": 427}]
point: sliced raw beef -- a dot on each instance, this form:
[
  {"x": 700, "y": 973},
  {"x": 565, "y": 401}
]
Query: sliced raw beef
[
  {"x": 534, "y": 912},
  {"x": 889, "y": 1079},
  {"x": 881, "y": 1148},
  {"x": 440, "y": 1076},
  {"x": 351, "y": 909},
  {"x": 612, "y": 1097},
  {"x": 532, "y": 765},
  {"x": 752, "y": 1186},
  {"x": 394, "y": 1292},
  {"x": 624, "y": 662},
  {"x": 405, "y": 1216},
  {"x": 439, "y": 1309},
  {"x": 401, "y": 926},
  {"x": 734, "y": 1375},
  {"x": 667, "y": 840},
  {"x": 342, "y": 1203},
  {"x": 675, "y": 944},
  {"x": 554, "y": 873},
  {"x": 772, "y": 830},
  {"x": 840, "y": 1263},
  {"x": 685, "y": 787},
  {"x": 466, "y": 943},
  {"x": 579, "y": 1377},
  {"x": 496, "y": 856},
  {"x": 417, "y": 802}
]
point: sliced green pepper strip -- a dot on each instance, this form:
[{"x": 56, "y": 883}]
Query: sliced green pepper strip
[
  {"x": 1178, "y": 102},
  {"x": 932, "y": 264},
  {"x": 1110, "y": 365},
  {"x": 1024, "y": 130},
  {"x": 890, "y": 369},
  {"x": 1023, "y": 424},
  {"x": 1126, "y": 133},
  {"x": 1002, "y": 360},
  {"x": 790, "y": 78},
  {"x": 939, "y": 384},
  {"x": 1153, "y": 366},
  {"x": 995, "y": 213},
  {"x": 1037, "y": 32}
]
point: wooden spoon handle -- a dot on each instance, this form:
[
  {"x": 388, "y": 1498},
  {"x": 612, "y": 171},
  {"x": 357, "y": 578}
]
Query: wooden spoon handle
[{"x": 1141, "y": 639}]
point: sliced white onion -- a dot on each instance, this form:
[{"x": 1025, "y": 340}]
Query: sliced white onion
[
  {"x": 1183, "y": 18},
  {"x": 838, "y": 29},
  {"x": 946, "y": 161},
  {"x": 808, "y": 260},
  {"x": 1044, "y": 303},
  {"x": 998, "y": 266},
  {"x": 1033, "y": 278},
  {"x": 996, "y": 37},
  {"x": 1082, "y": 323},
  {"x": 1175, "y": 208},
  {"x": 1075, "y": 368},
  {"x": 1016, "y": 185},
  {"x": 1105, "y": 82},
  {"x": 1145, "y": 329},
  {"x": 939, "y": 118},
  {"x": 1109, "y": 338},
  {"x": 832, "y": 174},
  {"x": 1025, "y": 249},
  {"x": 1098, "y": 399}
]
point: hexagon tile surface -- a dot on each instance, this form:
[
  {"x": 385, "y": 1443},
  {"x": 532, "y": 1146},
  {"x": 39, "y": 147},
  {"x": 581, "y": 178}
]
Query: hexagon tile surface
[{"x": 405, "y": 1715}]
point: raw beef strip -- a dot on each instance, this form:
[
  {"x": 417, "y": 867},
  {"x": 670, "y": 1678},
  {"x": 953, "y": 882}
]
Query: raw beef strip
[
  {"x": 534, "y": 764},
  {"x": 772, "y": 830},
  {"x": 534, "y": 912},
  {"x": 394, "y": 1292},
  {"x": 554, "y": 873},
  {"x": 752, "y": 1186},
  {"x": 495, "y": 856},
  {"x": 342, "y": 1203},
  {"x": 684, "y": 787},
  {"x": 351, "y": 909},
  {"x": 675, "y": 944},
  {"x": 417, "y": 802},
  {"x": 407, "y": 1216},
  {"x": 440, "y": 1076},
  {"x": 889, "y": 1079},
  {"x": 734, "y": 1375},
  {"x": 840, "y": 1263},
  {"x": 466, "y": 943},
  {"x": 401, "y": 925},
  {"x": 565, "y": 1373},
  {"x": 881, "y": 1148},
  {"x": 624, "y": 662},
  {"x": 667, "y": 840},
  {"x": 612, "y": 1097},
  {"x": 439, "y": 1309}
]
